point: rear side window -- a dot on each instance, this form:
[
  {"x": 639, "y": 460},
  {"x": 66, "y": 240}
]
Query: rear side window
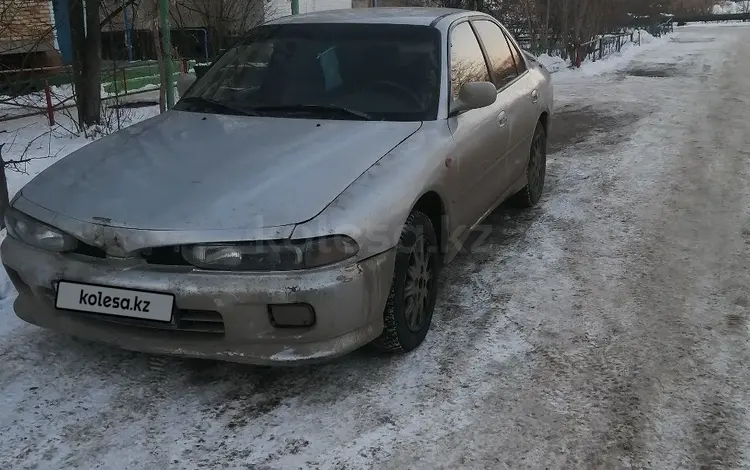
[
  {"x": 498, "y": 52},
  {"x": 517, "y": 57},
  {"x": 466, "y": 59}
]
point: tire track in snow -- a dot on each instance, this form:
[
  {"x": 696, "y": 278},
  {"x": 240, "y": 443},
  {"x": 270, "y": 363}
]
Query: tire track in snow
[{"x": 682, "y": 258}]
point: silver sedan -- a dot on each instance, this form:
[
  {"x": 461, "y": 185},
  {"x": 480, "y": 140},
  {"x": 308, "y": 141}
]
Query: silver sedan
[{"x": 298, "y": 201}]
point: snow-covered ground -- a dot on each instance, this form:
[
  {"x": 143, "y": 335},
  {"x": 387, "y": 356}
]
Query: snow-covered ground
[{"x": 607, "y": 328}]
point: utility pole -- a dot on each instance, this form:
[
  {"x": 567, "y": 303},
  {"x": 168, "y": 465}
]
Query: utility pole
[
  {"x": 166, "y": 50},
  {"x": 295, "y": 7}
]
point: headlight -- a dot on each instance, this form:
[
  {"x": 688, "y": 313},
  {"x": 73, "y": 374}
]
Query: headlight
[
  {"x": 271, "y": 256},
  {"x": 35, "y": 233}
]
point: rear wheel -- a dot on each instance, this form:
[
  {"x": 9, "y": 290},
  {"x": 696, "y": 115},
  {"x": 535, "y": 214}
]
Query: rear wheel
[
  {"x": 411, "y": 301},
  {"x": 536, "y": 170}
]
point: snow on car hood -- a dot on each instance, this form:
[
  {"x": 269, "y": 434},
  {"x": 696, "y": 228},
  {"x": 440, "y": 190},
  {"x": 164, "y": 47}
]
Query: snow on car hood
[{"x": 194, "y": 171}]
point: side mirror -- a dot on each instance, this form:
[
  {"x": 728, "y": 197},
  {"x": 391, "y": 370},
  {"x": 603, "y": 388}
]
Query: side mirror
[
  {"x": 475, "y": 95},
  {"x": 184, "y": 80}
]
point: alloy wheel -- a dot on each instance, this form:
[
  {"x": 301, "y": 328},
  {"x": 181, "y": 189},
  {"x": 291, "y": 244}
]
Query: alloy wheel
[
  {"x": 418, "y": 284},
  {"x": 537, "y": 166}
]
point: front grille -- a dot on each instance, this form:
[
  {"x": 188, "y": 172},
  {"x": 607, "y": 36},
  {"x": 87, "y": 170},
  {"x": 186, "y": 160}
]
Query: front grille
[
  {"x": 164, "y": 255},
  {"x": 89, "y": 250},
  {"x": 203, "y": 321},
  {"x": 183, "y": 321}
]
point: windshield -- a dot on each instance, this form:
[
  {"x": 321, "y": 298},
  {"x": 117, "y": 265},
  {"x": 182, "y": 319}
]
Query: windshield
[{"x": 336, "y": 71}]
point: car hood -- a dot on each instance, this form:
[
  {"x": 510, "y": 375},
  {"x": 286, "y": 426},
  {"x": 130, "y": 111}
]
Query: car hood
[{"x": 191, "y": 171}]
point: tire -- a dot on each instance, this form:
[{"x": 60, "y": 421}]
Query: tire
[
  {"x": 404, "y": 329},
  {"x": 536, "y": 169}
]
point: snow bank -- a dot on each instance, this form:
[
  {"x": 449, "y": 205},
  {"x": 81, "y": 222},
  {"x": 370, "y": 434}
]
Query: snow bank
[
  {"x": 36, "y": 99},
  {"x": 731, "y": 8},
  {"x": 646, "y": 37},
  {"x": 559, "y": 67},
  {"x": 552, "y": 63},
  {"x": 147, "y": 87}
]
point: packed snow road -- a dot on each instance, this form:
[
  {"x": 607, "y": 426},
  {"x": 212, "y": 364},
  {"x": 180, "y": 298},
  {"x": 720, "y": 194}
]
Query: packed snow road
[{"x": 607, "y": 328}]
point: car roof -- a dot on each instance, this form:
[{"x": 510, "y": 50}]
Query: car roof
[{"x": 420, "y": 16}]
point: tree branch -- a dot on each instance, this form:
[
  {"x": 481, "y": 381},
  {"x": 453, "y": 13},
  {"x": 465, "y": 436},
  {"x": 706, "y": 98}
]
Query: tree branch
[{"x": 108, "y": 19}]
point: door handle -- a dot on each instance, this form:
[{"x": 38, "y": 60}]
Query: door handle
[
  {"x": 534, "y": 96},
  {"x": 502, "y": 119}
]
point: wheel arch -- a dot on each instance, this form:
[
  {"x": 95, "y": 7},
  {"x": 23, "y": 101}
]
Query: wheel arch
[
  {"x": 544, "y": 119},
  {"x": 431, "y": 204}
]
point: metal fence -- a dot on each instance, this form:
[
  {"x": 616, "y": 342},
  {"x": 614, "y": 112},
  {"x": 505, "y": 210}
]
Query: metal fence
[
  {"x": 608, "y": 44},
  {"x": 683, "y": 19},
  {"x": 48, "y": 90},
  {"x": 597, "y": 48},
  {"x": 35, "y": 83}
]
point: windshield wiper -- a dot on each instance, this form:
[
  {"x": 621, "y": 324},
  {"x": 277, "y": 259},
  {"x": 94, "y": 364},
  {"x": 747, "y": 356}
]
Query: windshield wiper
[
  {"x": 316, "y": 107},
  {"x": 218, "y": 104}
]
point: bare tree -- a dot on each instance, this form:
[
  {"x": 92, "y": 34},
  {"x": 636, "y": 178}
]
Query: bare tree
[
  {"x": 86, "y": 41},
  {"x": 224, "y": 19},
  {"x": 4, "y": 199},
  {"x": 564, "y": 25},
  {"x": 699, "y": 7},
  {"x": 152, "y": 13}
]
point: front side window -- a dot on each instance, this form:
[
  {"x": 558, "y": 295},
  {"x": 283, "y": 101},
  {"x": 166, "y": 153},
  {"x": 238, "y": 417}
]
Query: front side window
[
  {"x": 376, "y": 71},
  {"x": 467, "y": 62}
]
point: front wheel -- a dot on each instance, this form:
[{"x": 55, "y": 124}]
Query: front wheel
[
  {"x": 536, "y": 170},
  {"x": 411, "y": 301}
]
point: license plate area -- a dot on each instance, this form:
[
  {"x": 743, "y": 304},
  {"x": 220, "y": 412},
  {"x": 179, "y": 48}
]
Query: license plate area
[{"x": 117, "y": 301}]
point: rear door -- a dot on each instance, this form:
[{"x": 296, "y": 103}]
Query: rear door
[
  {"x": 481, "y": 135},
  {"x": 515, "y": 86}
]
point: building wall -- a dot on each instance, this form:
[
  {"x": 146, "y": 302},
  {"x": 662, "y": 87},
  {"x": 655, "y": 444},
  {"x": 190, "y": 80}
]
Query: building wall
[
  {"x": 26, "y": 19},
  {"x": 279, "y": 8},
  {"x": 27, "y": 36}
]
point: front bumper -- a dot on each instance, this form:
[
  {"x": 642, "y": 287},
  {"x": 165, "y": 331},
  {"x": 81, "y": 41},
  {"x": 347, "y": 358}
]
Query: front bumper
[{"x": 348, "y": 302}]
